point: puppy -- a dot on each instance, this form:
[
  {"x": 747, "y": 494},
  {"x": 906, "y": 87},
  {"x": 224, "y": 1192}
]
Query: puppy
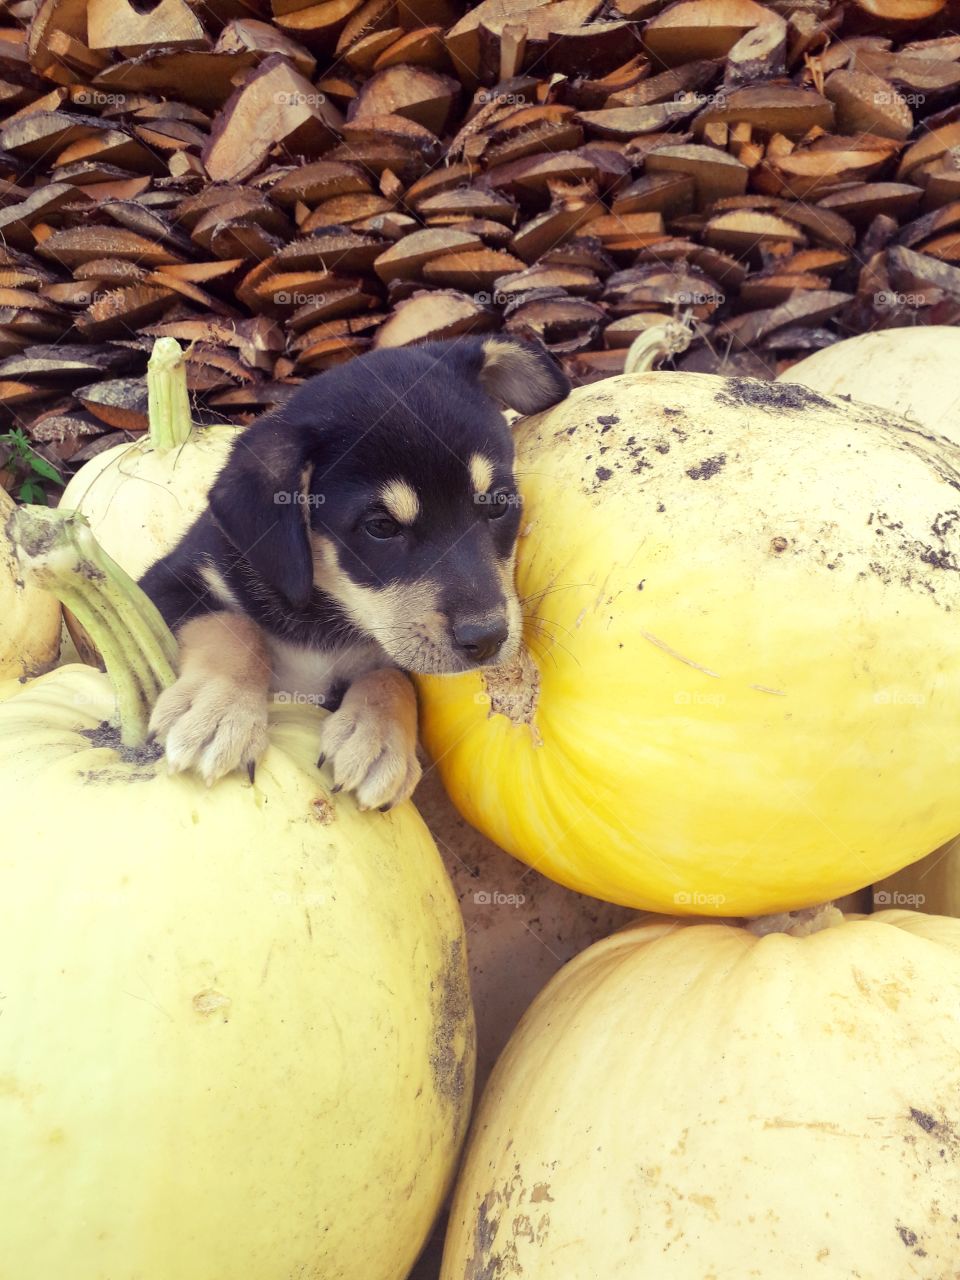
[{"x": 365, "y": 529}]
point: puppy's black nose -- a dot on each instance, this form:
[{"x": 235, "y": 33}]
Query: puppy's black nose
[{"x": 480, "y": 641}]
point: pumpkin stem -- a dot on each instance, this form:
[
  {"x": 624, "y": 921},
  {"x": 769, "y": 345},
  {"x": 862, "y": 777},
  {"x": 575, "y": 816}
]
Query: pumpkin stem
[
  {"x": 655, "y": 344},
  {"x": 168, "y": 404},
  {"x": 60, "y": 551}
]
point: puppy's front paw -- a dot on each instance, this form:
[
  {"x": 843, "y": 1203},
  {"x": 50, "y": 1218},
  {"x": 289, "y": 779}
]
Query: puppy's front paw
[
  {"x": 371, "y": 741},
  {"x": 212, "y": 725}
]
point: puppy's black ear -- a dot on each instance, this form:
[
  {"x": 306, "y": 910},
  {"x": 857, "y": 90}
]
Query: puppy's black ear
[
  {"x": 522, "y": 375},
  {"x": 259, "y": 502}
]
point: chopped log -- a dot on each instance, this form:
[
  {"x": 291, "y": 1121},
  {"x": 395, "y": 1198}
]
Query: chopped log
[
  {"x": 866, "y": 104},
  {"x": 120, "y": 312},
  {"x": 440, "y": 313},
  {"x": 203, "y": 79},
  {"x": 861, "y": 204},
  {"x": 714, "y": 173},
  {"x": 746, "y": 234},
  {"x": 473, "y": 270},
  {"x": 405, "y": 260},
  {"x": 74, "y": 246},
  {"x": 275, "y": 106},
  {"x": 787, "y": 109},
  {"x": 424, "y": 96},
  {"x": 701, "y": 28},
  {"x": 118, "y": 402},
  {"x": 263, "y": 40},
  {"x": 759, "y": 54},
  {"x": 561, "y": 323},
  {"x": 666, "y": 86},
  {"x": 117, "y": 24}
]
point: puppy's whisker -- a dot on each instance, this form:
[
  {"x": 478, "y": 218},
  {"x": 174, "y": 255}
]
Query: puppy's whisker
[
  {"x": 551, "y": 640},
  {"x": 535, "y": 620},
  {"x": 547, "y": 591}
]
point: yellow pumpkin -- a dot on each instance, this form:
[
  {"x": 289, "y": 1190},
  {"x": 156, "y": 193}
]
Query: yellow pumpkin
[
  {"x": 689, "y": 1101},
  {"x": 29, "y": 616},
  {"x": 738, "y": 691},
  {"x": 910, "y": 372},
  {"x": 237, "y": 1038},
  {"x": 140, "y": 498}
]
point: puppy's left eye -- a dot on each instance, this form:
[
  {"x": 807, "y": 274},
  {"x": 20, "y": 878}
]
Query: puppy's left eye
[
  {"x": 381, "y": 527},
  {"x": 498, "y": 503}
]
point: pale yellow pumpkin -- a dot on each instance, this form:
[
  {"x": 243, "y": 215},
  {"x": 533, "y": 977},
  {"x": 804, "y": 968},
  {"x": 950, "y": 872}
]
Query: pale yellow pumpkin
[
  {"x": 910, "y": 372},
  {"x": 739, "y": 690},
  {"x": 236, "y": 1035},
  {"x": 689, "y": 1101},
  {"x": 140, "y": 498},
  {"x": 29, "y": 616}
]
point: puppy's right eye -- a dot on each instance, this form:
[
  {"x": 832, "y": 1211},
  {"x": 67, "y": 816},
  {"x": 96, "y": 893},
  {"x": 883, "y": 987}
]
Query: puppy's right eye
[{"x": 381, "y": 527}]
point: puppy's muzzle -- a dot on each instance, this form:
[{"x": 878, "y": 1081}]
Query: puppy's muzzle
[{"x": 480, "y": 640}]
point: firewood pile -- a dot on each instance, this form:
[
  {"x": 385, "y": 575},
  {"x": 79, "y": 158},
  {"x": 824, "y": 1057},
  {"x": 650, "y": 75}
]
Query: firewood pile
[{"x": 284, "y": 188}]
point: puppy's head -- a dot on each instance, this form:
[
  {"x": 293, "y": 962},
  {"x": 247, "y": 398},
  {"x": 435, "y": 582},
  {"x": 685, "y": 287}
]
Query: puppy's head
[{"x": 387, "y": 484}]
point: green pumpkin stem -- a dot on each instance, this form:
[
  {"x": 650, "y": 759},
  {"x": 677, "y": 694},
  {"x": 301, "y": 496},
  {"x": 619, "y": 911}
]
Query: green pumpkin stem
[
  {"x": 59, "y": 550},
  {"x": 168, "y": 403}
]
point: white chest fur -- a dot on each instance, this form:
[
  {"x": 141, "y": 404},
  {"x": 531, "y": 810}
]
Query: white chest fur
[{"x": 313, "y": 673}]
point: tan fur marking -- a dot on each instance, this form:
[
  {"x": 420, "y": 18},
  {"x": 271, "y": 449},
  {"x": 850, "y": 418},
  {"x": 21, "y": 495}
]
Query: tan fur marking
[
  {"x": 225, "y": 644},
  {"x": 371, "y": 739},
  {"x": 401, "y": 500},
  {"x": 217, "y": 586},
  {"x": 481, "y": 473},
  {"x": 214, "y": 719}
]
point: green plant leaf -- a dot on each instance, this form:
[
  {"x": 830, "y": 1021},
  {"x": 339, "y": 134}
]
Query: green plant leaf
[
  {"x": 44, "y": 468},
  {"x": 31, "y": 491}
]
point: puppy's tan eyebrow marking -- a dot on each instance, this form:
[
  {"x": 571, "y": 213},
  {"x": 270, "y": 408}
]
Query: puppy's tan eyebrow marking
[
  {"x": 481, "y": 473},
  {"x": 401, "y": 500}
]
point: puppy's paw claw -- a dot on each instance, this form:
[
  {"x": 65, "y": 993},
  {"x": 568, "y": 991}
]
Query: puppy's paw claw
[
  {"x": 212, "y": 726},
  {"x": 372, "y": 755}
]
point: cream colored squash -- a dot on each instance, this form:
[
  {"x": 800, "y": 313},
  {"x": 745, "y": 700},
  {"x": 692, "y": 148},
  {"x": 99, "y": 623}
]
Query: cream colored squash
[
  {"x": 236, "y": 1036},
  {"x": 140, "y": 498},
  {"x": 910, "y": 372},
  {"x": 739, "y": 690},
  {"x": 689, "y": 1101},
  {"x": 29, "y": 616}
]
